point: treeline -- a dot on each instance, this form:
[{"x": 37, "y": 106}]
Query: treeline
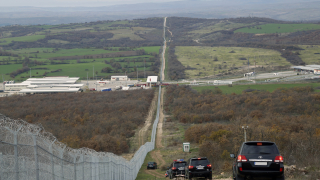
[
  {"x": 289, "y": 117},
  {"x": 101, "y": 121},
  {"x": 175, "y": 68}
]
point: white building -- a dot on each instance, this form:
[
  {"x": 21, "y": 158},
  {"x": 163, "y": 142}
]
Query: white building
[
  {"x": 45, "y": 85},
  {"x": 119, "y": 78},
  {"x": 152, "y": 80}
]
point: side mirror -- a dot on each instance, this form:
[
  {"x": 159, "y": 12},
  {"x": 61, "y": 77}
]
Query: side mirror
[
  {"x": 232, "y": 156},
  {"x": 168, "y": 167}
]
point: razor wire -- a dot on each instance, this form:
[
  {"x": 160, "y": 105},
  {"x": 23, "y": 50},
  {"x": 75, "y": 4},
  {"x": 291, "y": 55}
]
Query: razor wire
[{"x": 28, "y": 152}]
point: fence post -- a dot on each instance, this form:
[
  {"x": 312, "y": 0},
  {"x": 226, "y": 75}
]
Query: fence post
[
  {"x": 75, "y": 166},
  {"x": 36, "y": 155},
  {"x": 91, "y": 177},
  {"x": 82, "y": 167},
  {"x": 52, "y": 163},
  {"x": 16, "y": 160},
  {"x": 1, "y": 162},
  {"x": 61, "y": 157}
]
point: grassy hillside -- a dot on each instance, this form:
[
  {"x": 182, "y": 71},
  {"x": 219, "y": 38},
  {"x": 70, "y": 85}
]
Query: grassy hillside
[
  {"x": 204, "y": 61},
  {"x": 310, "y": 54}
]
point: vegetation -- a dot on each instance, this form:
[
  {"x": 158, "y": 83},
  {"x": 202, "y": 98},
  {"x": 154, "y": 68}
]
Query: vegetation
[
  {"x": 100, "y": 121},
  {"x": 278, "y": 28},
  {"x": 79, "y": 61},
  {"x": 288, "y": 117},
  {"x": 239, "y": 89},
  {"x": 310, "y": 54},
  {"x": 202, "y": 61}
]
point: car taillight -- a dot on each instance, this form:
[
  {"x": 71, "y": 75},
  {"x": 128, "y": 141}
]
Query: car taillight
[
  {"x": 190, "y": 167},
  {"x": 242, "y": 158},
  {"x": 174, "y": 168},
  {"x": 209, "y": 166},
  {"x": 281, "y": 169},
  {"x": 278, "y": 159},
  {"x": 240, "y": 168}
]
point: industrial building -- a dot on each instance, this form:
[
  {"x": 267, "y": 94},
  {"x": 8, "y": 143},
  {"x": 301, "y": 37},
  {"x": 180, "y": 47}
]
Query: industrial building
[
  {"x": 307, "y": 69},
  {"x": 119, "y": 78},
  {"x": 45, "y": 85},
  {"x": 152, "y": 80}
]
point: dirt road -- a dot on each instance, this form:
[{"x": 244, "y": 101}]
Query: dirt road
[
  {"x": 143, "y": 131},
  {"x": 164, "y": 49}
]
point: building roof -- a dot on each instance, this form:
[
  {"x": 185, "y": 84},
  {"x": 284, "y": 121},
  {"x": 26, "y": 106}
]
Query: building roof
[
  {"x": 152, "y": 79},
  {"x": 119, "y": 76},
  {"x": 49, "y": 90},
  {"x": 303, "y": 68}
]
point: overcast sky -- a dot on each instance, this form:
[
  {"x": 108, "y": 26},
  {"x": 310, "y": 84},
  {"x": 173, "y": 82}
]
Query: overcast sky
[{"x": 75, "y": 3}]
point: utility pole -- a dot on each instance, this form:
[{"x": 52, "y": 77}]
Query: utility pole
[
  {"x": 245, "y": 132},
  {"x": 144, "y": 68},
  {"x": 30, "y": 72},
  {"x": 93, "y": 73},
  {"x": 254, "y": 70},
  {"x": 137, "y": 73},
  {"x": 248, "y": 70},
  {"x": 87, "y": 80}
]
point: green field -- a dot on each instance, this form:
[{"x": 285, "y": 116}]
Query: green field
[
  {"x": 72, "y": 68},
  {"x": 278, "y": 28},
  {"x": 202, "y": 58},
  {"x": 32, "y": 38},
  {"x": 223, "y": 25},
  {"x": 238, "y": 89},
  {"x": 309, "y": 54}
]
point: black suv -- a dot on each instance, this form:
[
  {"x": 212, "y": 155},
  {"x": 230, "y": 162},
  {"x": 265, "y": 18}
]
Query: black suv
[
  {"x": 258, "y": 160},
  {"x": 152, "y": 165},
  {"x": 177, "y": 168},
  {"x": 198, "y": 167}
]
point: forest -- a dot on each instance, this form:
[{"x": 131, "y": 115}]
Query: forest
[
  {"x": 100, "y": 121},
  {"x": 288, "y": 117}
]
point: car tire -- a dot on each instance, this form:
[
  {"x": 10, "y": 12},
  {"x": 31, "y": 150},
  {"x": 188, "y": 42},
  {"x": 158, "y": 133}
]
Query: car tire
[{"x": 170, "y": 177}]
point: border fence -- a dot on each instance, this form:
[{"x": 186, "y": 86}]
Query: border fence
[{"x": 28, "y": 152}]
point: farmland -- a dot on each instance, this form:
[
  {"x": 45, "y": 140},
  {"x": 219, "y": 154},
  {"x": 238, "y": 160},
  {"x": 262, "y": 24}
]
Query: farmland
[
  {"x": 32, "y": 38},
  {"x": 278, "y": 28},
  {"x": 204, "y": 61},
  {"x": 42, "y": 63}
]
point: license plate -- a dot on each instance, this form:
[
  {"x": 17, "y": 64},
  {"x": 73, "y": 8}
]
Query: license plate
[
  {"x": 200, "y": 167},
  {"x": 181, "y": 168},
  {"x": 260, "y": 163}
]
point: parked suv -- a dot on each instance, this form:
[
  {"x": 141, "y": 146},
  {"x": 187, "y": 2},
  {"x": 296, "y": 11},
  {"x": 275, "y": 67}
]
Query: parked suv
[
  {"x": 258, "y": 160},
  {"x": 152, "y": 165},
  {"x": 177, "y": 168},
  {"x": 198, "y": 167}
]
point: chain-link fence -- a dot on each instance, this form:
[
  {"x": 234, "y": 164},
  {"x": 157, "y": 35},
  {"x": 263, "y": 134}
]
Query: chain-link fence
[{"x": 27, "y": 152}]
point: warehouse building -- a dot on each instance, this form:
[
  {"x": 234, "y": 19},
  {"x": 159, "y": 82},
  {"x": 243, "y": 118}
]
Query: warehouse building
[
  {"x": 307, "y": 69},
  {"x": 45, "y": 85},
  {"x": 119, "y": 78}
]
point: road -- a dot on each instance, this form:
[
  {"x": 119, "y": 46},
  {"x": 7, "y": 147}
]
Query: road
[{"x": 164, "y": 50}]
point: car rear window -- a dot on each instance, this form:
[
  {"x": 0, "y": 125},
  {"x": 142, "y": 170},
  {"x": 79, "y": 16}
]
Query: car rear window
[
  {"x": 265, "y": 148},
  {"x": 151, "y": 163},
  {"x": 179, "y": 164},
  {"x": 197, "y": 162}
]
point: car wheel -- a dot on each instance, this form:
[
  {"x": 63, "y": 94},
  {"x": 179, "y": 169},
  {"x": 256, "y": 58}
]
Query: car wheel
[{"x": 170, "y": 177}]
